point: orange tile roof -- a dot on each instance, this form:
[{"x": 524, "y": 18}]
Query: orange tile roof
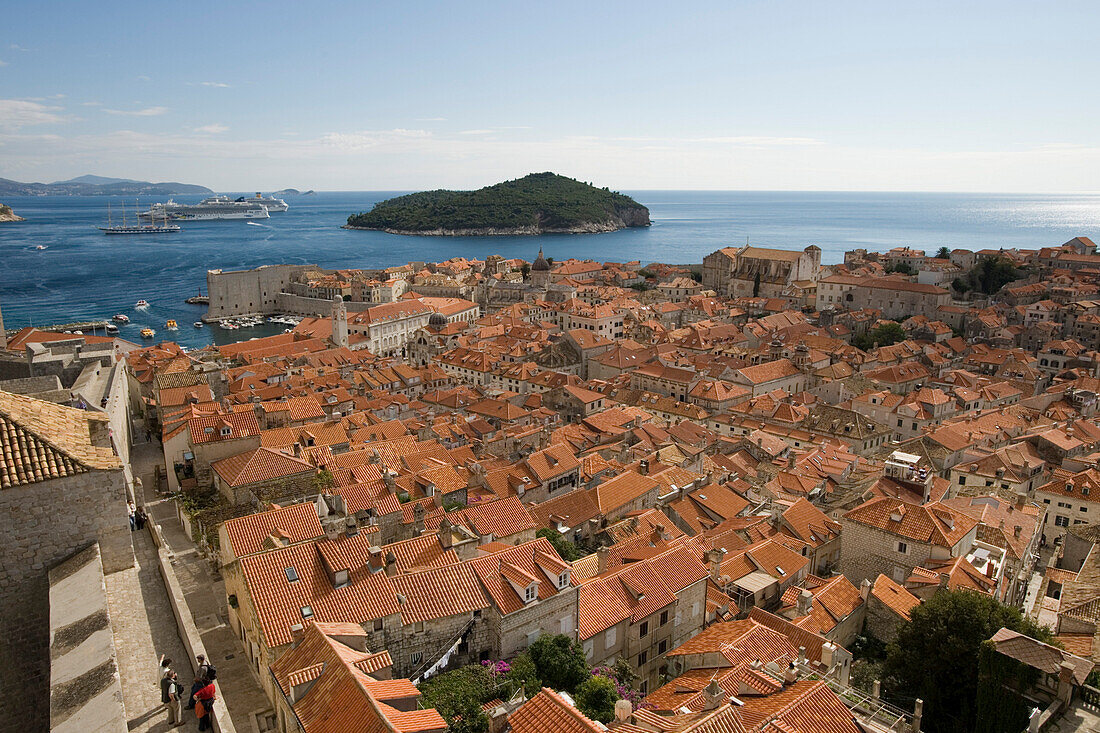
[
  {"x": 296, "y": 523},
  {"x": 261, "y": 464},
  {"x": 549, "y": 711},
  {"x": 41, "y": 441},
  {"x": 621, "y": 490},
  {"x": 934, "y": 523},
  {"x": 895, "y": 597}
]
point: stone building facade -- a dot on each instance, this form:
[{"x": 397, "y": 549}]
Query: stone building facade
[
  {"x": 73, "y": 496},
  {"x": 759, "y": 271}
]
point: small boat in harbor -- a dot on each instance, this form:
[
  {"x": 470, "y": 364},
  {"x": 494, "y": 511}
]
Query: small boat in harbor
[
  {"x": 41, "y": 247},
  {"x": 198, "y": 324},
  {"x": 172, "y": 325},
  {"x": 148, "y": 333},
  {"x": 120, "y": 318},
  {"x": 142, "y": 304},
  {"x": 112, "y": 329}
]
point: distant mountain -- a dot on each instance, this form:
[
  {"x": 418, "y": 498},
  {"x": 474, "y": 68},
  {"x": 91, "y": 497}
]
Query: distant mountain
[
  {"x": 98, "y": 186},
  {"x": 538, "y": 203},
  {"x": 95, "y": 180},
  {"x": 288, "y": 192}
]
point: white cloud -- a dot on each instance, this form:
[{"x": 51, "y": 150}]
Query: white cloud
[
  {"x": 212, "y": 129},
  {"x": 92, "y": 104},
  {"x": 219, "y": 84},
  {"x": 147, "y": 112},
  {"x": 143, "y": 77},
  {"x": 370, "y": 138},
  {"x": 17, "y": 113},
  {"x": 17, "y": 47},
  {"x": 477, "y": 132}
]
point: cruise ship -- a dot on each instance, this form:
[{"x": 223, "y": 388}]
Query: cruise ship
[
  {"x": 209, "y": 209},
  {"x": 271, "y": 203}
]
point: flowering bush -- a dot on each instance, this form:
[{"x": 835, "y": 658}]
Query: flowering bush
[
  {"x": 625, "y": 691},
  {"x": 497, "y": 669}
]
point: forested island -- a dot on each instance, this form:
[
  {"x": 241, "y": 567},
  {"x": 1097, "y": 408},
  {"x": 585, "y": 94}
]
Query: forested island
[{"x": 539, "y": 203}]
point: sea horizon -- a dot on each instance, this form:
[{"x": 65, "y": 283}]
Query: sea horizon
[{"x": 82, "y": 275}]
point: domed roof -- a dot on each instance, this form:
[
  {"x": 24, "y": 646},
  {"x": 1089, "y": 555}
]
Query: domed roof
[
  {"x": 437, "y": 320},
  {"x": 540, "y": 264}
]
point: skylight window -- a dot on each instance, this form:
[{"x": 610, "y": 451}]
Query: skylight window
[
  {"x": 307, "y": 612},
  {"x": 291, "y": 575}
]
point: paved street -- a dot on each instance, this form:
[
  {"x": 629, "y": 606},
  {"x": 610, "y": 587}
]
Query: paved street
[
  {"x": 144, "y": 628},
  {"x": 205, "y": 596}
]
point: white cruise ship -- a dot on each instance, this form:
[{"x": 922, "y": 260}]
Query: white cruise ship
[
  {"x": 271, "y": 203},
  {"x": 209, "y": 209}
]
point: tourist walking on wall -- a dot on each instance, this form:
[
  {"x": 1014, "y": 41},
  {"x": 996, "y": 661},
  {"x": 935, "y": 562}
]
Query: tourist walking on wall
[
  {"x": 133, "y": 513},
  {"x": 140, "y": 517},
  {"x": 204, "y": 702}
]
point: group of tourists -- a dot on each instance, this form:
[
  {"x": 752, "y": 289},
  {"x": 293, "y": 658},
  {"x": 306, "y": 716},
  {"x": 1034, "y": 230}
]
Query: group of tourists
[
  {"x": 138, "y": 517},
  {"x": 200, "y": 699}
]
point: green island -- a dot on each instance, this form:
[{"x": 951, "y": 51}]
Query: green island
[{"x": 539, "y": 203}]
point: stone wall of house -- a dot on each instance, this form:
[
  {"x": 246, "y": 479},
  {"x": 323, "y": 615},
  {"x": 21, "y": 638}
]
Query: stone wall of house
[
  {"x": 45, "y": 523},
  {"x": 866, "y": 551},
  {"x": 879, "y": 620},
  {"x": 555, "y": 615},
  {"x": 207, "y": 453}
]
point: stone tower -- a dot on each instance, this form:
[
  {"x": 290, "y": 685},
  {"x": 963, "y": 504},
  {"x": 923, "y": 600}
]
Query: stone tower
[
  {"x": 339, "y": 322},
  {"x": 540, "y": 271}
]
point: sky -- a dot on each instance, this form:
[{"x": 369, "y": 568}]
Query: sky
[{"x": 401, "y": 95}]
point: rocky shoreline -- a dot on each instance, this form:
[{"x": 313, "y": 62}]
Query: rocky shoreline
[
  {"x": 6, "y": 214},
  {"x": 531, "y": 231}
]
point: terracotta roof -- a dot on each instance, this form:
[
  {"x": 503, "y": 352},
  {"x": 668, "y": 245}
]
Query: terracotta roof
[
  {"x": 295, "y": 523},
  {"x": 1038, "y": 655},
  {"x": 621, "y": 490},
  {"x": 896, "y": 598},
  {"x": 261, "y": 464},
  {"x": 41, "y": 441},
  {"x": 933, "y": 523},
  {"x": 549, "y": 711}
]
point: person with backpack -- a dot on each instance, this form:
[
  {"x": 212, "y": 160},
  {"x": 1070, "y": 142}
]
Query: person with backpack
[
  {"x": 204, "y": 673},
  {"x": 204, "y": 703}
]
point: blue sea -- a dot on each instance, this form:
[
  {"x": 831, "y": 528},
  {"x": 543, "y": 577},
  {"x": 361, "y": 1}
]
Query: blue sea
[{"x": 83, "y": 274}]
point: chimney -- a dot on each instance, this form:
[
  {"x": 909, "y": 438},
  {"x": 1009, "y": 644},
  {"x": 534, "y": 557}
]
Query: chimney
[
  {"x": 828, "y": 650},
  {"x": 865, "y": 589},
  {"x": 391, "y": 563},
  {"x": 643, "y": 467},
  {"x": 1016, "y": 531},
  {"x": 602, "y": 556},
  {"x": 918, "y": 713},
  {"x": 714, "y": 559},
  {"x": 790, "y": 674},
  {"x": 790, "y": 459},
  {"x": 805, "y": 603},
  {"x": 418, "y": 519},
  {"x": 297, "y": 632},
  {"x": 623, "y": 711},
  {"x": 446, "y": 539},
  {"x": 712, "y": 694}
]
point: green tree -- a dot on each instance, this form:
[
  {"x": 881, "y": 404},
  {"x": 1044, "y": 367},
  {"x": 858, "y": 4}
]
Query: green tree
[
  {"x": 943, "y": 253},
  {"x": 596, "y": 698},
  {"x": 560, "y": 662},
  {"x": 466, "y": 717},
  {"x": 935, "y": 655},
  {"x": 903, "y": 268},
  {"x": 323, "y": 480},
  {"x": 565, "y": 548},
  {"x": 888, "y": 334},
  {"x": 458, "y": 696},
  {"x": 525, "y": 270},
  {"x": 523, "y": 674}
]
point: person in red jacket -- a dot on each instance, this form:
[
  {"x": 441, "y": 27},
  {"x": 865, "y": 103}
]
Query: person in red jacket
[{"x": 205, "y": 696}]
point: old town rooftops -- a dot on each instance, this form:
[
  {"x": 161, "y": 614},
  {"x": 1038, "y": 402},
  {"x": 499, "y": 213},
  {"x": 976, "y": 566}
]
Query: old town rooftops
[{"x": 934, "y": 523}]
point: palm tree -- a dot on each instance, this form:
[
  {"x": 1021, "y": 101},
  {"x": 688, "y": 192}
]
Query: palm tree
[{"x": 944, "y": 253}]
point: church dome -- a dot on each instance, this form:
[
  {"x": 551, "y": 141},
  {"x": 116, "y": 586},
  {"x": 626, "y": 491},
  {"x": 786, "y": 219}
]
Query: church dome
[
  {"x": 540, "y": 264},
  {"x": 437, "y": 320}
]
